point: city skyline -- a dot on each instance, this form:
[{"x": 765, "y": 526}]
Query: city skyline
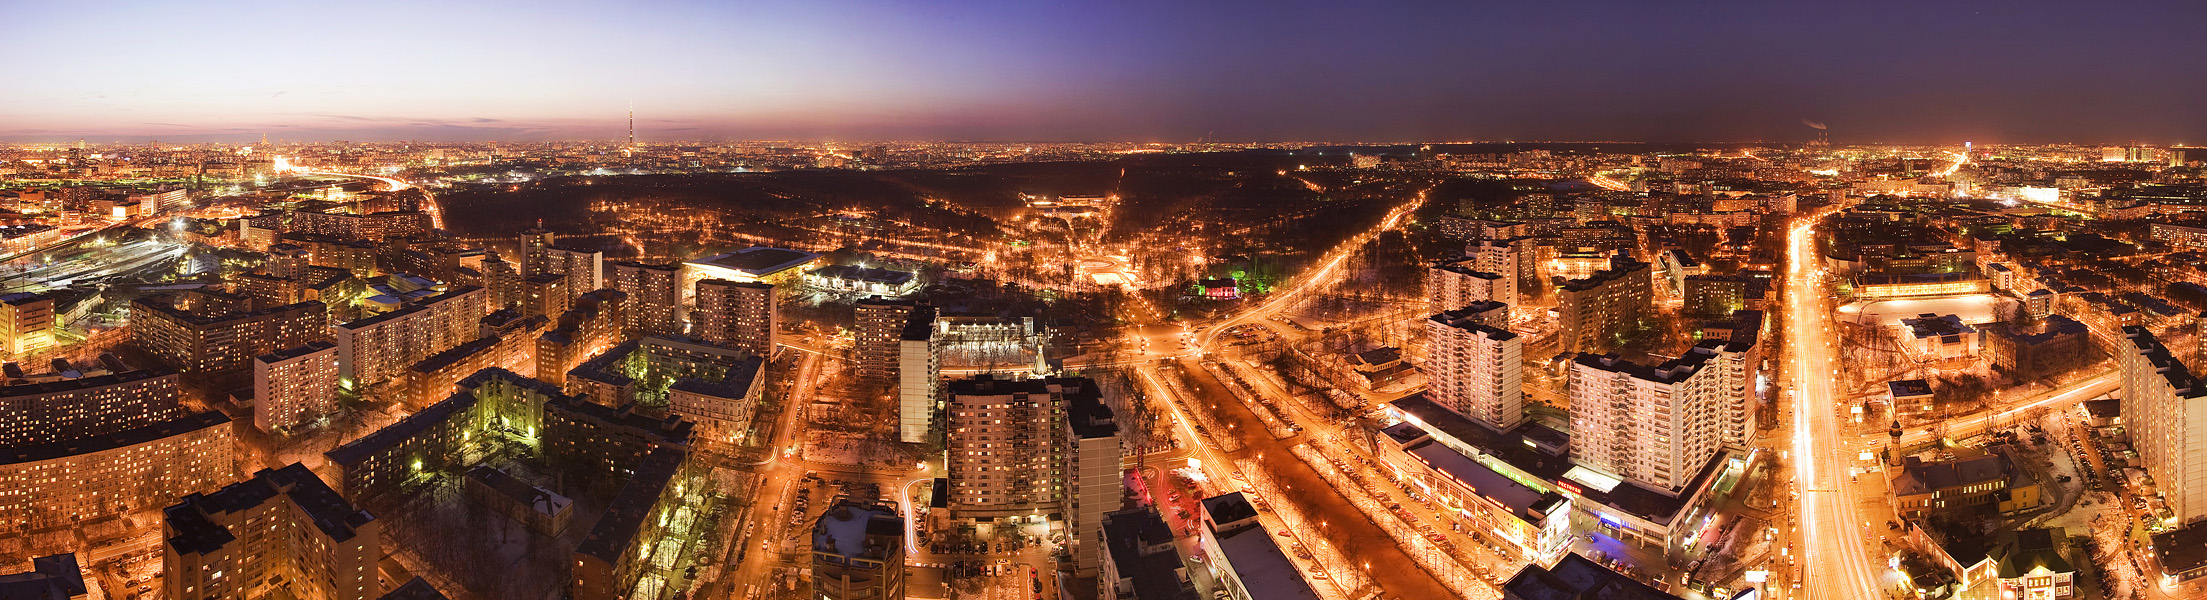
[{"x": 1603, "y": 71}]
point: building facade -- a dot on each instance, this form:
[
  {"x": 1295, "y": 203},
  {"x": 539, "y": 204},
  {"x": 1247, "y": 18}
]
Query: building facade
[
  {"x": 294, "y": 386},
  {"x": 737, "y": 315},
  {"x": 1595, "y": 313},
  {"x": 282, "y": 533},
  {"x": 655, "y": 303},
  {"x": 1008, "y": 443},
  {"x": 139, "y": 468},
  {"x": 1655, "y": 425},
  {"x": 2165, "y": 408},
  {"x": 1476, "y": 370},
  {"x": 381, "y": 348}
]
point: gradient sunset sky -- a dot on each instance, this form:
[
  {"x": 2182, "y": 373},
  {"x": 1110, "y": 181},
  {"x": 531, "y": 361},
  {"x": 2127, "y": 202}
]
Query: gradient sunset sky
[{"x": 1926, "y": 71}]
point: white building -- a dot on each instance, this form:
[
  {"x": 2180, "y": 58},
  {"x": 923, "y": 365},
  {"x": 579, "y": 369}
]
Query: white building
[
  {"x": 1451, "y": 285},
  {"x": 294, "y": 385},
  {"x": 1657, "y": 426},
  {"x": 1475, "y": 369},
  {"x": 2165, "y": 407},
  {"x": 919, "y": 375},
  {"x": 379, "y": 348}
]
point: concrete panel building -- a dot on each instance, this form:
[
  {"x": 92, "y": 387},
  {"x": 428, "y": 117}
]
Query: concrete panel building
[
  {"x": 282, "y": 533},
  {"x": 1596, "y": 312},
  {"x": 858, "y": 553},
  {"x": 294, "y": 386},
  {"x": 655, "y": 301},
  {"x": 737, "y": 314},
  {"x": 1656, "y": 426},
  {"x": 2165, "y": 408},
  {"x": 1475, "y": 369}
]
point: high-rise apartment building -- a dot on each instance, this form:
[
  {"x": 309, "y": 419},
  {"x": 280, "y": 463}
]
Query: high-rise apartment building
[
  {"x": 737, "y": 314},
  {"x": 919, "y": 374},
  {"x": 584, "y": 268},
  {"x": 1097, "y": 482},
  {"x": 1595, "y": 313},
  {"x": 1509, "y": 256},
  {"x": 654, "y": 296},
  {"x": 534, "y": 241},
  {"x": 858, "y": 553},
  {"x": 2165, "y": 408},
  {"x": 1008, "y": 443},
  {"x": 1475, "y": 369},
  {"x": 294, "y": 386},
  {"x": 282, "y": 533},
  {"x": 26, "y": 324},
  {"x": 879, "y": 330},
  {"x": 1656, "y": 426},
  {"x": 381, "y": 348},
  {"x": 216, "y": 347},
  {"x": 546, "y": 294},
  {"x": 1451, "y": 285}
]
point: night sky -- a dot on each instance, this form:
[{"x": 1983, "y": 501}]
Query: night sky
[{"x": 1929, "y": 71}]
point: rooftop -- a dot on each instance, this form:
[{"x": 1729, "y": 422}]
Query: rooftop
[
  {"x": 1140, "y": 544},
  {"x": 1577, "y": 578},
  {"x": 330, "y": 513},
  {"x": 120, "y": 439},
  {"x": 757, "y": 261},
  {"x": 617, "y": 530},
  {"x": 855, "y": 530}
]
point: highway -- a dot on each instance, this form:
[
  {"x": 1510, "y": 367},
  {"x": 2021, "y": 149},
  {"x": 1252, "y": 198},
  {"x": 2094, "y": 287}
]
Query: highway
[{"x": 1831, "y": 534}]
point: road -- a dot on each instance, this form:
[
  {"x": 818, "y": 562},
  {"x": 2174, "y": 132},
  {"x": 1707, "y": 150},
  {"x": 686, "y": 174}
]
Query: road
[
  {"x": 2065, "y": 396},
  {"x": 428, "y": 205},
  {"x": 1831, "y": 533}
]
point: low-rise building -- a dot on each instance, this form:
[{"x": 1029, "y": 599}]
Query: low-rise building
[
  {"x": 50, "y": 578},
  {"x": 1242, "y": 556},
  {"x": 540, "y": 509},
  {"x": 1577, "y": 578},
  {"x": 1922, "y": 487},
  {"x": 1939, "y": 337}
]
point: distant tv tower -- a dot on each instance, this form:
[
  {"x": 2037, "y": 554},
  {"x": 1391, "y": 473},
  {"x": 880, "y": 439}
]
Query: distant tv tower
[{"x": 632, "y": 123}]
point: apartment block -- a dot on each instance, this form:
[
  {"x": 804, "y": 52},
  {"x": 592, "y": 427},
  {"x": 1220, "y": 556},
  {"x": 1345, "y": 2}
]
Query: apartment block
[
  {"x": 1097, "y": 482},
  {"x": 1657, "y": 426},
  {"x": 216, "y": 347},
  {"x": 26, "y": 324},
  {"x": 919, "y": 375},
  {"x": 654, "y": 296},
  {"x": 377, "y": 349},
  {"x": 2164, "y": 406},
  {"x": 1475, "y": 369},
  {"x": 294, "y": 386},
  {"x": 737, "y": 315},
  {"x": 1008, "y": 443},
  {"x": 143, "y": 467},
  {"x": 283, "y": 532},
  {"x": 1595, "y": 313},
  {"x": 64, "y": 410},
  {"x": 1451, "y": 285},
  {"x": 879, "y": 331}
]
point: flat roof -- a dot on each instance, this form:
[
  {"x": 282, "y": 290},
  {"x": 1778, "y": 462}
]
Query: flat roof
[
  {"x": 1577, "y": 578},
  {"x": 757, "y": 261},
  {"x": 129, "y": 437},
  {"x": 1482, "y": 480},
  {"x": 1263, "y": 569}
]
